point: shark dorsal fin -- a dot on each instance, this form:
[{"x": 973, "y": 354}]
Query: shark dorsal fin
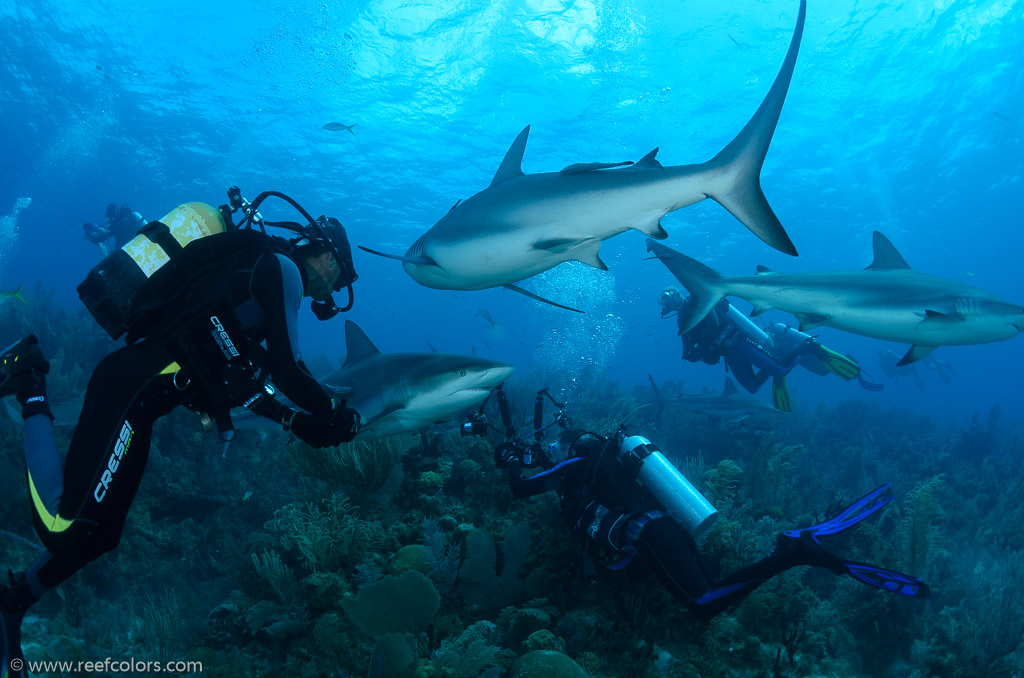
[
  {"x": 512, "y": 166},
  {"x": 649, "y": 161},
  {"x": 886, "y": 256},
  {"x": 358, "y": 346},
  {"x": 763, "y": 269},
  {"x": 730, "y": 387}
]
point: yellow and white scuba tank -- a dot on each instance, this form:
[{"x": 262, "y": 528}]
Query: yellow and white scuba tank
[
  {"x": 110, "y": 289},
  {"x": 657, "y": 475}
]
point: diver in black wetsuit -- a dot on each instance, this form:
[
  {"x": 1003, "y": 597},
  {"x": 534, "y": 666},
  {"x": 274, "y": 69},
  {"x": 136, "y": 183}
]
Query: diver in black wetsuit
[
  {"x": 608, "y": 489},
  {"x": 121, "y": 226},
  {"x": 255, "y": 285},
  {"x": 754, "y": 354}
]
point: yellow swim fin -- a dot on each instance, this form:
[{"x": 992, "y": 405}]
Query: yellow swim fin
[
  {"x": 838, "y": 364},
  {"x": 780, "y": 395}
]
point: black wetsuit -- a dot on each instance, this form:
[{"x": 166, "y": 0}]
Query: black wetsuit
[
  {"x": 79, "y": 511},
  {"x": 121, "y": 228},
  {"x": 605, "y": 506},
  {"x": 718, "y": 337}
]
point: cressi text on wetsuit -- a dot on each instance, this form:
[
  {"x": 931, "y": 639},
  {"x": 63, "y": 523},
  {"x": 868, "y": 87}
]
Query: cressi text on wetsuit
[{"x": 79, "y": 510}]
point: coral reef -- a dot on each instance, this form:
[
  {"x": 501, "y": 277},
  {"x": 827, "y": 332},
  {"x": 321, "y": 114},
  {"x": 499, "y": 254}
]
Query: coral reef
[{"x": 410, "y": 557}]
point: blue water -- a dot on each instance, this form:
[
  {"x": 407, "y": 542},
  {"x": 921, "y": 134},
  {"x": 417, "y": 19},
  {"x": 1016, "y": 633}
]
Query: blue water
[{"x": 902, "y": 117}]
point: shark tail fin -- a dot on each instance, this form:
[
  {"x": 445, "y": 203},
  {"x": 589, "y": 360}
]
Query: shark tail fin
[
  {"x": 740, "y": 162},
  {"x": 703, "y": 282}
]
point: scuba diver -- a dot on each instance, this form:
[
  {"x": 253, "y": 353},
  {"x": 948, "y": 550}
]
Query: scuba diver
[
  {"x": 632, "y": 508},
  {"x": 122, "y": 225},
  {"x": 754, "y": 354},
  {"x": 210, "y": 311}
]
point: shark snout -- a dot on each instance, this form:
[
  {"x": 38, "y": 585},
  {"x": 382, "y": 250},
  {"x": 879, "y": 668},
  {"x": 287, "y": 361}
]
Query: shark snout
[
  {"x": 488, "y": 377},
  {"x": 424, "y": 269},
  {"x": 498, "y": 374}
]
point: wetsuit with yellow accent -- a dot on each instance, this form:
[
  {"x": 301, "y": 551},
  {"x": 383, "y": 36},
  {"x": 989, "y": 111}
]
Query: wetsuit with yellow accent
[
  {"x": 604, "y": 505},
  {"x": 717, "y": 337},
  {"x": 79, "y": 509}
]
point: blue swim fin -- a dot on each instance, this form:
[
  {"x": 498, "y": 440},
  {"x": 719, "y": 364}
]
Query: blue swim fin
[
  {"x": 866, "y": 506},
  {"x": 887, "y": 580},
  {"x": 863, "y": 508}
]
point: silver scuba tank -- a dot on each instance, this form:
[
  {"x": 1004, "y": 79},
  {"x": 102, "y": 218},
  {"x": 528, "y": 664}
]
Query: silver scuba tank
[
  {"x": 749, "y": 327},
  {"x": 664, "y": 482}
]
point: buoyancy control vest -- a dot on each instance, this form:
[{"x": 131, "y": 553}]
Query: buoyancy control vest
[
  {"x": 111, "y": 289},
  {"x": 171, "y": 283}
]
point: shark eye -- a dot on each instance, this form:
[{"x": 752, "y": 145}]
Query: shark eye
[{"x": 462, "y": 373}]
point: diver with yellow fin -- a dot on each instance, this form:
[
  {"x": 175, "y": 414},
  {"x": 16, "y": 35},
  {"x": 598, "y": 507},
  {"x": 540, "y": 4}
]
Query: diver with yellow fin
[
  {"x": 753, "y": 354},
  {"x": 209, "y": 313}
]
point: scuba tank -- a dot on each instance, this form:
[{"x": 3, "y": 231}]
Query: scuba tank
[
  {"x": 664, "y": 482},
  {"x": 749, "y": 328},
  {"x": 111, "y": 288}
]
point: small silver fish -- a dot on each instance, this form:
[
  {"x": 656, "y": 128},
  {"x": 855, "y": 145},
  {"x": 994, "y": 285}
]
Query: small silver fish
[{"x": 337, "y": 127}]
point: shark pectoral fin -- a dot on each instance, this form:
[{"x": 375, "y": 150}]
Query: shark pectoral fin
[
  {"x": 915, "y": 353},
  {"x": 563, "y": 245},
  {"x": 808, "y": 321},
  {"x": 422, "y": 261},
  {"x": 390, "y": 409},
  {"x": 516, "y": 288},
  {"x": 581, "y": 167},
  {"x": 556, "y": 245},
  {"x": 738, "y": 418},
  {"x": 585, "y": 250},
  {"x": 937, "y": 319}
]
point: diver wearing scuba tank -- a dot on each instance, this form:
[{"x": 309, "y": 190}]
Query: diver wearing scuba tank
[
  {"x": 754, "y": 354},
  {"x": 637, "y": 521},
  {"x": 196, "y": 320}
]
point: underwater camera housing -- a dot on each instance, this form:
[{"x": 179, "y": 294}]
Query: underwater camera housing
[{"x": 474, "y": 427}]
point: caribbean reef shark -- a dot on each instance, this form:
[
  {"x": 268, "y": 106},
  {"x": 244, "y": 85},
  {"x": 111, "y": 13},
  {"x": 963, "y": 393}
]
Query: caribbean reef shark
[
  {"x": 887, "y": 300},
  {"x": 524, "y": 224},
  {"x": 730, "y": 404},
  {"x": 401, "y": 392}
]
